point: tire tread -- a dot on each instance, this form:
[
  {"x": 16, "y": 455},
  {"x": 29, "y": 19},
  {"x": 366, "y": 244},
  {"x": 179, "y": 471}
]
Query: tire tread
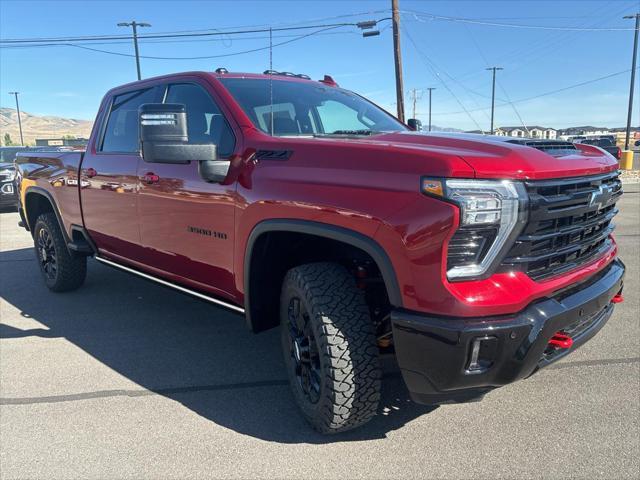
[{"x": 351, "y": 387}]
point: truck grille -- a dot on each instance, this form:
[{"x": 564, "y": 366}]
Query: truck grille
[{"x": 569, "y": 224}]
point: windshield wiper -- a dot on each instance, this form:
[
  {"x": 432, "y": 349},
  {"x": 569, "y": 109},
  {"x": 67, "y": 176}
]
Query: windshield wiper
[{"x": 353, "y": 132}]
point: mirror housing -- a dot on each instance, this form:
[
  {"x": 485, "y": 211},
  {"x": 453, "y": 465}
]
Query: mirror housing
[
  {"x": 164, "y": 138},
  {"x": 414, "y": 124}
]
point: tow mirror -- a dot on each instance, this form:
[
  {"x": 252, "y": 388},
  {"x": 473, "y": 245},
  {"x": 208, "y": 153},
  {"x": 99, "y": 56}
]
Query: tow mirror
[
  {"x": 414, "y": 124},
  {"x": 164, "y": 139}
]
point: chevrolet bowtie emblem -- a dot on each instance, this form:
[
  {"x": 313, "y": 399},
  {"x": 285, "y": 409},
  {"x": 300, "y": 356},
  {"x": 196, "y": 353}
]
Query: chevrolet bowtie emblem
[{"x": 601, "y": 196}]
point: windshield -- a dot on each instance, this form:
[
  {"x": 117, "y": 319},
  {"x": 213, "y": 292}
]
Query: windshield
[{"x": 308, "y": 108}]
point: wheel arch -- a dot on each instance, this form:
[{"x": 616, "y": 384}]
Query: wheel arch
[
  {"x": 37, "y": 200},
  {"x": 254, "y": 318}
]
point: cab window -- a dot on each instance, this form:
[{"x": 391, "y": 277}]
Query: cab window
[
  {"x": 205, "y": 122},
  {"x": 121, "y": 131}
]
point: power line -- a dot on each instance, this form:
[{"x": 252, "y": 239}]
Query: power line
[
  {"x": 549, "y": 41},
  {"x": 66, "y": 40},
  {"x": 493, "y": 93},
  {"x": 541, "y": 50},
  {"x": 545, "y": 94},
  {"x": 169, "y": 41},
  {"x": 430, "y": 66},
  {"x": 431, "y": 16},
  {"x": 222, "y": 55},
  {"x": 436, "y": 73},
  {"x": 219, "y": 30}
]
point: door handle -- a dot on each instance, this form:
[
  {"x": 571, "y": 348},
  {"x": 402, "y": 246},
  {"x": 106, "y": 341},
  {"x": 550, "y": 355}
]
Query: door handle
[
  {"x": 91, "y": 172},
  {"x": 150, "y": 178}
]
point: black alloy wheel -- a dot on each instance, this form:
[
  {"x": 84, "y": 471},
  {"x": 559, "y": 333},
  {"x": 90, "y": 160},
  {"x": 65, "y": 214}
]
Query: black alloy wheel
[
  {"x": 47, "y": 254},
  {"x": 61, "y": 269},
  {"x": 304, "y": 350}
]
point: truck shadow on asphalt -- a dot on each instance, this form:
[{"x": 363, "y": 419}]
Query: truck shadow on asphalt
[{"x": 184, "y": 349}]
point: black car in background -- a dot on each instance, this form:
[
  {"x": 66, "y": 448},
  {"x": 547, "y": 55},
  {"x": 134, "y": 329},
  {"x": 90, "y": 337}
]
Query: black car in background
[
  {"x": 606, "y": 144},
  {"x": 8, "y": 194}
]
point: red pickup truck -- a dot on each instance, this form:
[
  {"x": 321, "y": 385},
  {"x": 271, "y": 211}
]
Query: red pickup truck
[{"x": 474, "y": 260}]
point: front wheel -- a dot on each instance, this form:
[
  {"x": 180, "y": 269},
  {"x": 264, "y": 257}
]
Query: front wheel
[{"x": 329, "y": 347}]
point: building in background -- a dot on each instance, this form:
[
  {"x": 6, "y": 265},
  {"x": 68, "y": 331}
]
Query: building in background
[
  {"x": 588, "y": 131},
  {"x": 61, "y": 142},
  {"x": 533, "y": 132}
]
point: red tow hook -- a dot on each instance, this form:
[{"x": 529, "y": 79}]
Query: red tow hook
[
  {"x": 618, "y": 298},
  {"x": 560, "y": 340}
]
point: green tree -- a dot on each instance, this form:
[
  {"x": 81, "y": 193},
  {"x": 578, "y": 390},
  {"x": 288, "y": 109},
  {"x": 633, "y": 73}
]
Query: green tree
[{"x": 7, "y": 140}]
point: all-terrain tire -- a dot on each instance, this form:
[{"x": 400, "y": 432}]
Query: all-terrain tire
[
  {"x": 61, "y": 270},
  {"x": 347, "y": 353}
]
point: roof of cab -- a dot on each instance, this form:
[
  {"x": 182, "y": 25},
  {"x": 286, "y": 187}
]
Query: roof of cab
[
  {"x": 265, "y": 76},
  {"x": 276, "y": 76}
]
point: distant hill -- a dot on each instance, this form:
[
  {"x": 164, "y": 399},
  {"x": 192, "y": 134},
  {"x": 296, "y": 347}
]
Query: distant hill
[{"x": 35, "y": 126}]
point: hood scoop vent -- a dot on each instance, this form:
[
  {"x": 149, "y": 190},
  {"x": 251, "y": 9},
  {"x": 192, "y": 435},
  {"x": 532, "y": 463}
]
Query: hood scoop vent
[{"x": 556, "y": 148}]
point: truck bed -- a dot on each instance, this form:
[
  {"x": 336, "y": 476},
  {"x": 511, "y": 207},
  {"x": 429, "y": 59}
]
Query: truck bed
[{"x": 55, "y": 174}]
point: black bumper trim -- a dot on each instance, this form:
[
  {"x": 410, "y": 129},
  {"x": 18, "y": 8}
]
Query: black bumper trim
[{"x": 433, "y": 353}]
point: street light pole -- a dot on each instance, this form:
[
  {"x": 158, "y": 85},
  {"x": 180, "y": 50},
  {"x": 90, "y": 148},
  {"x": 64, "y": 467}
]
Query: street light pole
[
  {"x": 430, "y": 90},
  {"x": 633, "y": 78},
  {"x": 397, "y": 58},
  {"x": 135, "y": 26},
  {"x": 15, "y": 94},
  {"x": 493, "y": 94}
]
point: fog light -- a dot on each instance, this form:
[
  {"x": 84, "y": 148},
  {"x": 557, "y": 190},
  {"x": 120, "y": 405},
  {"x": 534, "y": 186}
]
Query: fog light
[{"x": 483, "y": 353}]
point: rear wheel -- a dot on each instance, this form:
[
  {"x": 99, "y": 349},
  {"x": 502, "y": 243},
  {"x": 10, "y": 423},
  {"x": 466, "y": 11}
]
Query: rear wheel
[
  {"x": 61, "y": 270},
  {"x": 329, "y": 347}
]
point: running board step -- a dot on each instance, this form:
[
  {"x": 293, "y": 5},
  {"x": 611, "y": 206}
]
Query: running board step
[{"x": 166, "y": 283}]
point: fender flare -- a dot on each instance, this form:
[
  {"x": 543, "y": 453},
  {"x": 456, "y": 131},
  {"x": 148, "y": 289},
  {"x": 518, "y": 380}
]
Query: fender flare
[
  {"x": 44, "y": 193},
  {"x": 333, "y": 232}
]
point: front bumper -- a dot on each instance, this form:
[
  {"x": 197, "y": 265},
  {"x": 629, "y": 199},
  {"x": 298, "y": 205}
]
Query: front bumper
[
  {"x": 8, "y": 194},
  {"x": 435, "y": 353}
]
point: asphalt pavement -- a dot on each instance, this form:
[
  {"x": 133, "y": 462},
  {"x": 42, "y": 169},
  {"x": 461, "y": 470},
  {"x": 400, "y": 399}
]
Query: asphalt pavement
[{"x": 127, "y": 379}]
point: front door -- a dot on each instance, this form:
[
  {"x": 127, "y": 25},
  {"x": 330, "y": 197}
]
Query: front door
[
  {"x": 187, "y": 224},
  {"x": 109, "y": 177}
]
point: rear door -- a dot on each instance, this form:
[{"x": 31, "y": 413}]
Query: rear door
[
  {"x": 187, "y": 224},
  {"x": 109, "y": 177}
]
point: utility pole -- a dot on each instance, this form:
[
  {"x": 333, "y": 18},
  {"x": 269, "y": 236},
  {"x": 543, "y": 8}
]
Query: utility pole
[
  {"x": 633, "y": 77},
  {"x": 15, "y": 94},
  {"x": 135, "y": 26},
  {"x": 493, "y": 94},
  {"x": 415, "y": 96},
  {"x": 397, "y": 58},
  {"x": 430, "y": 90}
]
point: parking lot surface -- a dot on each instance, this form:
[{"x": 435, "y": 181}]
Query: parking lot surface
[{"x": 126, "y": 379}]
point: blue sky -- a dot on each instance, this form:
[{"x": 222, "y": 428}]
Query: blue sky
[{"x": 451, "y": 56}]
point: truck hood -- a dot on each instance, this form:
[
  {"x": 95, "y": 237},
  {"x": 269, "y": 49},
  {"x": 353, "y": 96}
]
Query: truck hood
[{"x": 504, "y": 157}]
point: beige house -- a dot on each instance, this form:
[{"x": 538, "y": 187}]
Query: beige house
[{"x": 533, "y": 132}]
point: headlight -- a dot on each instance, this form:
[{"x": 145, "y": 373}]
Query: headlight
[
  {"x": 489, "y": 213},
  {"x": 8, "y": 174}
]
